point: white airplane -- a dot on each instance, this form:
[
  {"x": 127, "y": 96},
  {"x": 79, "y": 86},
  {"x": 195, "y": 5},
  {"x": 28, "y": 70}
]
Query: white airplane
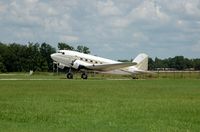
[{"x": 86, "y": 62}]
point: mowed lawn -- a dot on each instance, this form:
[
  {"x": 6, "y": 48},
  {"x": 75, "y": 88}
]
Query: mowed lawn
[{"x": 100, "y": 105}]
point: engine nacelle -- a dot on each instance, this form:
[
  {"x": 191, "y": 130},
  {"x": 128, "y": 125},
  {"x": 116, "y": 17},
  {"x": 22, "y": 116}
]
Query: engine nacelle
[{"x": 78, "y": 64}]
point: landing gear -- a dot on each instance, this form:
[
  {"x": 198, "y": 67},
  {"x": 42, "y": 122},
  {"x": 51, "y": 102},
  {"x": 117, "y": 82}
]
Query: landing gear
[
  {"x": 84, "y": 75},
  {"x": 134, "y": 77},
  {"x": 69, "y": 75}
]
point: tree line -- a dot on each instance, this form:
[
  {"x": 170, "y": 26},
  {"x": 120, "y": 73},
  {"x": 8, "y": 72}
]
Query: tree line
[
  {"x": 175, "y": 63},
  {"x": 32, "y": 56},
  {"x": 16, "y": 57}
]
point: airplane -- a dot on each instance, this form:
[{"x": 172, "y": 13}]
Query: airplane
[{"x": 86, "y": 62}]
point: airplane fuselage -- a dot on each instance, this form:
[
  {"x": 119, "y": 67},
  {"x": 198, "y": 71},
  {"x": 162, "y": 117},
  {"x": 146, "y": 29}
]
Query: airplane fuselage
[{"x": 68, "y": 57}]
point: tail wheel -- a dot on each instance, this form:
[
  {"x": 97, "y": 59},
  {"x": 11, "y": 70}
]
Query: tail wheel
[
  {"x": 84, "y": 76},
  {"x": 69, "y": 75}
]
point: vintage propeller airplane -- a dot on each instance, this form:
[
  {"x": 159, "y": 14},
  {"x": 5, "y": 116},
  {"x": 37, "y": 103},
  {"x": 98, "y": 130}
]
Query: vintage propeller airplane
[{"x": 85, "y": 62}]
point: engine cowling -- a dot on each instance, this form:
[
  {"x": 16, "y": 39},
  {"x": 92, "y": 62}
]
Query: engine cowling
[{"x": 77, "y": 64}]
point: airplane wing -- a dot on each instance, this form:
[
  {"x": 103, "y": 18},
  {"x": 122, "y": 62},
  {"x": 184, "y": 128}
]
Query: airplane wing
[{"x": 108, "y": 67}]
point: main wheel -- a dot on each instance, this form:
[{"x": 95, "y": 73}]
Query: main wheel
[
  {"x": 84, "y": 76},
  {"x": 69, "y": 75},
  {"x": 134, "y": 77}
]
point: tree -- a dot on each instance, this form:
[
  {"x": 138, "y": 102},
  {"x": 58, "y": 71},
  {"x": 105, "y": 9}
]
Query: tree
[
  {"x": 124, "y": 60},
  {"x": 13, "y": 57},
  {"x": 33, "y": 57},
  {"x": 189, "y": 63},
  {"x": 151, "y": 64},
  {"x": 197, "y": 64},
  {"x": 179, "y": 62},
  {"x": 3, "y": 54},
  {"x": 46, "y": 50},
  {"x": 64, "y": 46},
  {"x": 158, "y": 63},
  {"x": 83, "y": 49},
  {"x": 2, "y": 66}
]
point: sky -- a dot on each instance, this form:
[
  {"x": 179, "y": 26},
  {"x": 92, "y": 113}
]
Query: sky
[{"x": 115, "y": 29}]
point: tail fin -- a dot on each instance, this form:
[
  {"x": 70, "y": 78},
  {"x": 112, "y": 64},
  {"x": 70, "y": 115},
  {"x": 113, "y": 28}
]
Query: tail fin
[{"x": 142, "y": 62}]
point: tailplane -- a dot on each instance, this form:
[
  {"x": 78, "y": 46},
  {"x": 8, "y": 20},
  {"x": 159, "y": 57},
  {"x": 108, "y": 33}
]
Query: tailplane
[{"x": 142, "y": 62}]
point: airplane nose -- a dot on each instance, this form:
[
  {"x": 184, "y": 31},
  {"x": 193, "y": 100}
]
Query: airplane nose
[{"x": 53, "y": 56}]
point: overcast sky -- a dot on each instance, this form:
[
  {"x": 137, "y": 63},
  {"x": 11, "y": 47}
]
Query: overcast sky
[{"x": 116, "y": 29}]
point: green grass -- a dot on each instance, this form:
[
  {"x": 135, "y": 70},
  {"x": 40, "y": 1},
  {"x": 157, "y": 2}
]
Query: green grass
[{"x": 100, "y": 105}]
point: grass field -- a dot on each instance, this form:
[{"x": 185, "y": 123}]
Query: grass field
[{"x": 100, "y": 105}]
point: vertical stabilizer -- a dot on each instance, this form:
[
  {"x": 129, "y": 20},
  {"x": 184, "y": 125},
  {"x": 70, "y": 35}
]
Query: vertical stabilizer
[{"x": 142, "y": 62}]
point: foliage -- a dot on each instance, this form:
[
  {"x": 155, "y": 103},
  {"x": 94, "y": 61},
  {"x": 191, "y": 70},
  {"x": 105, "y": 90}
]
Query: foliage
[
  {"x": 46, "y": 50},
  {"x": 124, "y": 60},
  {"x": 2, "y": 66},
  {"x": 196, "y": 64},
  {"x": 33, "y": 56},
  {"x": 64, "y": 46},
  {"x": 80, "y": 48},
  {"x": 176, "y": 63},
  {"x": 83, "y": 49}
]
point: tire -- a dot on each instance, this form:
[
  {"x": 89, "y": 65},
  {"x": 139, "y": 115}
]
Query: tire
[
  {"x": 84, "y": 76},
  {"x": 69, "y": 76}
]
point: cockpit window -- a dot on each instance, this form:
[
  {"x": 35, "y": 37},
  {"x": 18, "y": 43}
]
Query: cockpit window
[{"x": 61, "y": 52}]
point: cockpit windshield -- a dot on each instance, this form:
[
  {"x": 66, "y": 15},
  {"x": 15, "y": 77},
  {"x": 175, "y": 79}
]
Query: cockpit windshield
[{"x": 61, "y": 52}]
